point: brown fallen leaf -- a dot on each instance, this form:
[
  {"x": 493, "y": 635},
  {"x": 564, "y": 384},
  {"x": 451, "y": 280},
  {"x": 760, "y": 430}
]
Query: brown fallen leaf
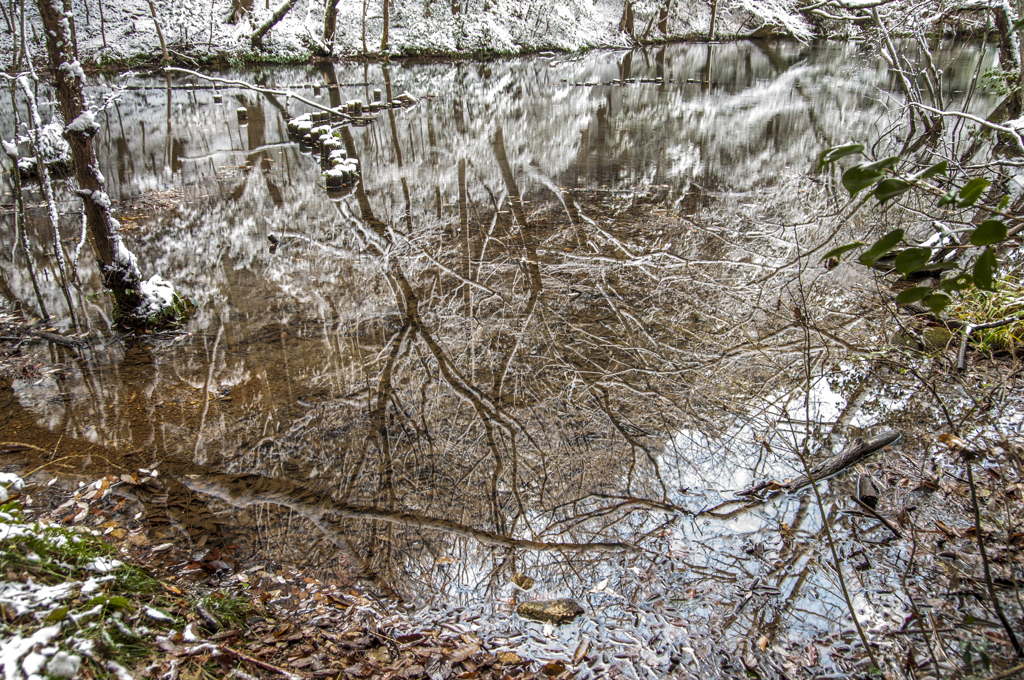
[
  {"x": 581, "y": 652},
  {"x": 762, "y": 642},
  {"x": 553, "y": 669},
  {"x": 463, "y": 653}
]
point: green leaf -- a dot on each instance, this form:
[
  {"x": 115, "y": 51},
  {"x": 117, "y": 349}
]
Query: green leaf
[
  {"x": 1003, "y": 202},
  {"x": 947, "y": 198},
  {"x": 990, "y": 231},
  {"x": 857, "y": 178},
  {"x": 881, "y": 247},
  {"x": 836, "y": 152},
  {"x": 961, "y": 281},
  {"x": 937, "y": 169},
  {"x": 1017, "y": 25},
  {"x": 837, "y": 252},
  {"x": 936, "y": 302},
  {"x": 862, "y": 176},
  {"x": 58, "y": 614},
  {"x": 891, "y": 188},
  {"x": 971, "y": 192},
  {"x": 913, "y": 295},
  {"x": 113, "y": 601},
  {"x": 912, "y": 259},
  {"x": 985, "y": 269}
]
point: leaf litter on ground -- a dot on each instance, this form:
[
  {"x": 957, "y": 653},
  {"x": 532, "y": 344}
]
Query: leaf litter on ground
[{"x": 104, "y": 602}]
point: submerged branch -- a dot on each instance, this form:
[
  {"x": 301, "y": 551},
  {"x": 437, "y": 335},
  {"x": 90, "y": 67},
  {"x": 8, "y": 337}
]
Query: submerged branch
[{"x": 249, "y": 490}]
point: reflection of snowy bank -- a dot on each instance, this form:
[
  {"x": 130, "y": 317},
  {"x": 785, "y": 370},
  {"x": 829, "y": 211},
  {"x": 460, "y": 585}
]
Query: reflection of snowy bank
[
  {"x": 762, "y": 443},
  {"x": 208, "y": 29}
]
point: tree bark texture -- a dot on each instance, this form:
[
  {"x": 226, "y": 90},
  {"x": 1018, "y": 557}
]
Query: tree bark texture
[
  {"x": 626, "y": 22},
  {"x": 387, "y": 22},
  {"x": 120, "y": 274},
  {"x": 330, "y": 24}
]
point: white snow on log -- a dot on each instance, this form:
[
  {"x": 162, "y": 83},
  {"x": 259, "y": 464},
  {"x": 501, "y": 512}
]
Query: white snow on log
[
  {"x": 125, "y": 258},
  {"x": 101, "y": 199},
  {"x": 84, "y": 124},
  {"x": 10, "y": 148},
  {"x": 74, "y": 70},
  {"x": 159, "y": 294}
]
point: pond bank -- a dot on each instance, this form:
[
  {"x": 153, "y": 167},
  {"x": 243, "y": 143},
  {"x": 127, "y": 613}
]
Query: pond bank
[{"x": 87, "y": 586}]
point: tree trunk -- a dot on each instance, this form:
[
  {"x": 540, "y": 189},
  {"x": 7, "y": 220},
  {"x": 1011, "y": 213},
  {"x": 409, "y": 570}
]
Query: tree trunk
[
  {"x": 364, "y": 26},
  {"x": 626, "y": 22},
  {"x": 330, "y": 23},
  {"x": 117, "y": 265},
  {"x": 714, "y": 18},
  {"x": 71, "y": 25},
  {"x": 159, "y": 31},
  {"x": 257, "y": 38},
  {"x": 663, "y": 17},
  {"x": 387, "y": 21}
]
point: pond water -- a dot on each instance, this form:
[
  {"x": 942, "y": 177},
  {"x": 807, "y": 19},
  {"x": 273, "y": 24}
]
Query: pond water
[{"x": 559, "y": 317}]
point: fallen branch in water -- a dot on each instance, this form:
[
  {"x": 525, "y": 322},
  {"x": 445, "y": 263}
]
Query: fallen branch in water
[
  {"x": 874, "y": 513},
  {"x": 54, "y": 338},
  {"x": 855, "y": 452},
  {"x": 244, "y": 491}
]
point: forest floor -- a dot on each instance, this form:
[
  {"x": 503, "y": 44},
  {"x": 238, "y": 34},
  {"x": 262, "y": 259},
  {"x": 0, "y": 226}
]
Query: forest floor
[{"x": 89, "y": 592}]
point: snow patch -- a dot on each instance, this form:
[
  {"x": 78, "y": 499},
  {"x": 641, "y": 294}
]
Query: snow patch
[
  {"x": 74, "y": 70},
  {"x": 85, "y": 124},
  {"x": 103, "y": 565},
  {"x": 63, "y": 665},
  {"x": 13, "y": 649},
  {"x": 159, "y": 295}
]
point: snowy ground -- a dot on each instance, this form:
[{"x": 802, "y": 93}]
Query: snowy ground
[{"x": 125, "y": 30}]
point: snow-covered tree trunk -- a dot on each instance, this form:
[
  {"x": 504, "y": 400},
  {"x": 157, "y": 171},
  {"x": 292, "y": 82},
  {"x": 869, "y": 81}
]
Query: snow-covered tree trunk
[
  {"x": 134, "y": 300},
  {"x": 626, "y": 22},
  {"x": 330, "y": 24},
  {"x": 663, "y": 12},
  {"x": 257, "y": 37}
]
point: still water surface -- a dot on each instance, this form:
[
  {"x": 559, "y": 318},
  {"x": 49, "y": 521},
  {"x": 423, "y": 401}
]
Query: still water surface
[{"x": 558, "y": 318}]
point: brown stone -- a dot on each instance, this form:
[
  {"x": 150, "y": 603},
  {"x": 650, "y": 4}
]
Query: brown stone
[
  {"x": 562, "y": 610},
  {"x": 523, "y": 581}
]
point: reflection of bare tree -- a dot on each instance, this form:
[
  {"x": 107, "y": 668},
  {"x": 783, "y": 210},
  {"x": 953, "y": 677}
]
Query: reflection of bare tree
[{"x": 461, "y": 367}]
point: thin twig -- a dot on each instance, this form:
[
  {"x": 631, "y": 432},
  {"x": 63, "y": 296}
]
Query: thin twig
[
  {"x": 985, "y": 566},
  {"x": 871, "y": 511},
  {"x": 967, "y": 329},
  {"x": 1008, "y": 673}
]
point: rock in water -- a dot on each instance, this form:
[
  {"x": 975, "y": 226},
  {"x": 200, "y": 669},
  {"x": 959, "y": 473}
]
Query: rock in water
[
  {"x": 562, "y": 610},
  {"x": 523, "y": 581}
]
